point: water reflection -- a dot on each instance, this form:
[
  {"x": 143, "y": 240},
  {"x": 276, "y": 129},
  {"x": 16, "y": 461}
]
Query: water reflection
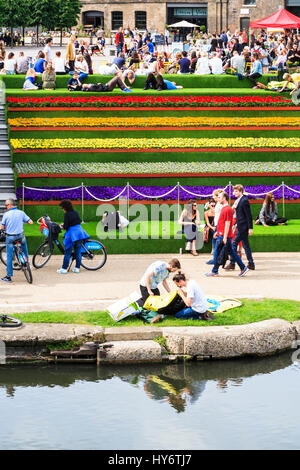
[{"x": 177, "y": 384}]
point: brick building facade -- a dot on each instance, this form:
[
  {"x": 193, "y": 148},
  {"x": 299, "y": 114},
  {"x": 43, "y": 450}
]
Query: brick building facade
[{"x": 216, "y": 15}]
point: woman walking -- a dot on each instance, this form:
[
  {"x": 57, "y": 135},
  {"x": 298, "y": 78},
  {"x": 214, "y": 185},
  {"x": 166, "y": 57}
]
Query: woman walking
[{"x": 73, "y": 236}]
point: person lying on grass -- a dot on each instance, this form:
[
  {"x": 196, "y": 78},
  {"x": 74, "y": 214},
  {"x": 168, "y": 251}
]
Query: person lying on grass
[
  {"x": 290, "y": 83},
  {"x": 159, "y": 83},
  {"x": 109, "y": 86},
  {"x": 193, "y": 297}
]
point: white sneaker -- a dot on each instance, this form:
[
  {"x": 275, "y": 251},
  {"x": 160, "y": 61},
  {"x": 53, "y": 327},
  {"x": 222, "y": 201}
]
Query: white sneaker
[
  {"x": 76, "y": 270},
  {"x": 62, "y": 271}
]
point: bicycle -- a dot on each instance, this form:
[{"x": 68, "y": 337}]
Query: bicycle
[
  {"x": 93, "y": 252},
  {"x": 20, "y": 262},
  {"x": 9, "y": 322}
]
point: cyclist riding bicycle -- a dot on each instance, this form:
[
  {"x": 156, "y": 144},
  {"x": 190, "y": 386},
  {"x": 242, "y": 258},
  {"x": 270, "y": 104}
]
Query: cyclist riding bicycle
[
  {"x": 12, "y": 223},
  {"x": 73, "y": 236}
]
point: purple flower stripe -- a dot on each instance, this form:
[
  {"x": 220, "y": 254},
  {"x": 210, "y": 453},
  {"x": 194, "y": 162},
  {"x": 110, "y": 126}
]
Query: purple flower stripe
[{"x": 104, "y": 192}]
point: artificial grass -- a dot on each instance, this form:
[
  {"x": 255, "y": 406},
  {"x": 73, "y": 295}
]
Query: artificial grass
[
  {"x": 145, "y": 133},
  {"x": 187, "y": 81},
  {"x": 292, "y": 211},
  {"x": 251, "y": 311},
  {"x": 215, "y": 155},
  {"x": 270, "y": 239}
]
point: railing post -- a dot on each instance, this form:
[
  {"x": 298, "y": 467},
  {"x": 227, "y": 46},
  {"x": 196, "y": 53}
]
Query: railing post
[
  {"x": 283, "y": 205},
  {"x": 23, "y": 194},
  {"x": 229, "y": 190},
  {"x": 178, "y": 199},
  {"x": 128, "y": 200},
  {"x": 82, "y": 202}
]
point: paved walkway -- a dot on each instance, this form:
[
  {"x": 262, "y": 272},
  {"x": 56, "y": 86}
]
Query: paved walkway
[{"x": 277, "y": 275}]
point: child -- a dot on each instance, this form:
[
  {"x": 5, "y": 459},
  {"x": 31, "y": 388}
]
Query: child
[{"x": 74, "y": 83}]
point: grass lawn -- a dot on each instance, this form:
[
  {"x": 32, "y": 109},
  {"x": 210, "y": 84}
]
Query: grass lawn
[{"x": 250, "y": 312}]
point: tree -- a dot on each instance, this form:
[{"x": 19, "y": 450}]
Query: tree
[
  {"x": 68, "y": 13},
  {"x": 43, "y": 13},
  {"x": 15, "y": 13}
]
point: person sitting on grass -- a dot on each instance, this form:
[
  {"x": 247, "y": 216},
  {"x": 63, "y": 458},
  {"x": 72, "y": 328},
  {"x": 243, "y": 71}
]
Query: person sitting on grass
[
  {"x": 268, "y": 215},
  {"x": 156, "y": 273},
  {"x": 194, "y": 299},
  {"x": 109, "y": 86},
  {"x": 256, "y": 71},
  {"x": 159, "y": 83},
  {"x": 74, "y": 84},
  {"x": 49, "y": 77},
  {"x": 29, "y": 83}
]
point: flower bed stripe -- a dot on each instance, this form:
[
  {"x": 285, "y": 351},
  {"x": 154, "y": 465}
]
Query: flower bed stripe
[
  {"x": 154, "y": 144},
  {"x": 207, "y": 128},
  {"x": 159, "y": 101},
  {"x": 116, "y": 150},
  {"x": 165, "y": 108},
  {"x": 151, "y": 175},
  {"x": 154, "y": 122}
]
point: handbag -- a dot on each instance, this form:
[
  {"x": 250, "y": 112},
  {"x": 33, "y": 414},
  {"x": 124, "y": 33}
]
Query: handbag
[{"x": 206, "y": 234}]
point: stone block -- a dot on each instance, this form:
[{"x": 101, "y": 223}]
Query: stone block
[
  {"x": 262, "y": 338},
  {"x": 119, "y": 352}
]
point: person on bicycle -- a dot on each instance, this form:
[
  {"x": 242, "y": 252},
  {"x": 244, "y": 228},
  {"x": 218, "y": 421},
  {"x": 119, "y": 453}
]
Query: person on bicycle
[
  {"x": 73, "y": 236},
  {"x": 12, "y": 223}
]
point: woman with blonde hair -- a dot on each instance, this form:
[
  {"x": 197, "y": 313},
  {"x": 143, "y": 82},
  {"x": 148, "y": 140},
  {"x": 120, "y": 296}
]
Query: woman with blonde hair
[
  {"x": 49, "y": 77},
  {"x": 29, "y": 80},
  {"x": 70, "y": 55}
]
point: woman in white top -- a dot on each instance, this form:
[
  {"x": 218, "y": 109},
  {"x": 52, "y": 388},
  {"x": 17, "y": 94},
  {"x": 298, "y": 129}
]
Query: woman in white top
[
  {"x": 190, "y": 221},
  {"x": 10, "y": 64},
  {"x": 202, "y": 67},
  {"x": 81, "y": 67},
  {"x": 59, "y": 64}
]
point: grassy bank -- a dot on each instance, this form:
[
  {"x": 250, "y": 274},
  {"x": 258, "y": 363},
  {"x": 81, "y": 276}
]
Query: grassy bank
[{"x": 250, "y": 312}]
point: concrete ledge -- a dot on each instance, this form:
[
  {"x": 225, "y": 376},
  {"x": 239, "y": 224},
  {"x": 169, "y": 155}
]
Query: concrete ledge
[
  {"x": 132, "y": 333},
  {"x": 261, "y": 338},
  {"x": 125, "y": 352},
  {"x": 38, "y": 334}
]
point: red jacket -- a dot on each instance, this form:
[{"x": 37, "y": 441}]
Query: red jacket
[{"x": 119, "y": 39}]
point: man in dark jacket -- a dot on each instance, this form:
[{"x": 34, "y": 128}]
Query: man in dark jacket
[{"x": 244, "y": 224}]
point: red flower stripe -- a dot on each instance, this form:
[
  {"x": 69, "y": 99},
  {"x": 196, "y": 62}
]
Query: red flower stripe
[
  {"x": 151, "y": 175},
  {"x": 165, "y": 108}
]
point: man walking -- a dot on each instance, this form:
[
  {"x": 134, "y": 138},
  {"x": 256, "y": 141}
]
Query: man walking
[
  {"x": 244, "y": 224},
  {"x": 12, "y": 223},
  {"x": 224, "y": 237}
]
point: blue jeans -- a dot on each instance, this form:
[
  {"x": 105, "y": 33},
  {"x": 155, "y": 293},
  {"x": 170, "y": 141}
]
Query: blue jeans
[
  {"x": 68, "y": 253},
  {"x": 232, "y": 252},
  {"x": 81, "y": 76},
  {"x": 187, "y": 313},
  {"x": 242, "y": 237},
  {"x": 10, "y": 251}
]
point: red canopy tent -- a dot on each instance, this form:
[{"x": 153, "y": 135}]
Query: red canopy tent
[{"x": 281, "y": 19}]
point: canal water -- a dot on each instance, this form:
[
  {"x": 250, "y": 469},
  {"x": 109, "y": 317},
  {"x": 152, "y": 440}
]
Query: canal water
[{"x": 238, "y": 404}]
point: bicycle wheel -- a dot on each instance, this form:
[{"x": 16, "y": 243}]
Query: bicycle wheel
[
  {"x": 93, "y": 255},
  {"x": 41, "y": 255},
  {"x": 3, "y": 257},
  {"x": 9, "y": 322},
  {"x": 27, "y": 272}
]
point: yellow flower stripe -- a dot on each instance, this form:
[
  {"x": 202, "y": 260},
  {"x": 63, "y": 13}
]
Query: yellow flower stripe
[
  {"x": 154, "y": 121},
  {"x": 163, "y": 143}
]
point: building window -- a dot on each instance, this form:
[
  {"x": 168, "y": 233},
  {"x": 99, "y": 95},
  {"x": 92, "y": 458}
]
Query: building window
[
  {"x": 249, "y": 2},
  {"x": 116, "y": 20},
  {"x": 140, "y": 19}
]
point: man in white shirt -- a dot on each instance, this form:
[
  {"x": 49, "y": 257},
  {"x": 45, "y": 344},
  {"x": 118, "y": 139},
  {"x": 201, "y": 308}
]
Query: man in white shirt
[
  {"x": 47, "y": 50},
  {"x": 215, "y": 64},
  {"x": 157, "y": 273},
  {"x": 194, "y": 299}
]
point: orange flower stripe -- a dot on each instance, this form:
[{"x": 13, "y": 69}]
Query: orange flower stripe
[{"x": 155, "y": 121}]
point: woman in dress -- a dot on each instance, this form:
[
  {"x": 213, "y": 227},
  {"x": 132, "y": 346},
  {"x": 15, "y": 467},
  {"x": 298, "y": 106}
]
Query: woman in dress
[{"x": 190, "y": 221}]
